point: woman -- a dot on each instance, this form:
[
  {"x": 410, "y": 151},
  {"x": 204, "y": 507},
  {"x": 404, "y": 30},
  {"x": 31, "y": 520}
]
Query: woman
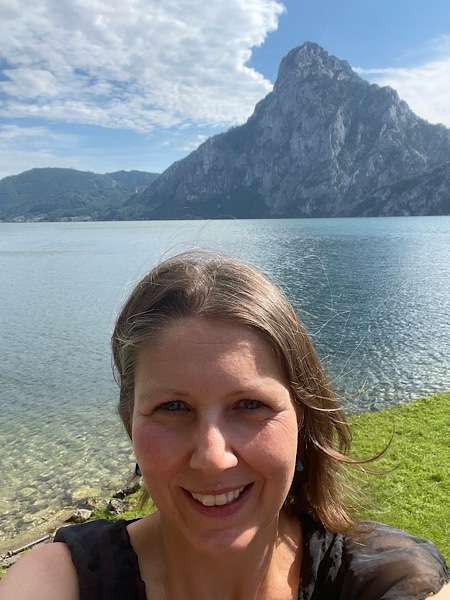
[{"x": 241, "y": 444}]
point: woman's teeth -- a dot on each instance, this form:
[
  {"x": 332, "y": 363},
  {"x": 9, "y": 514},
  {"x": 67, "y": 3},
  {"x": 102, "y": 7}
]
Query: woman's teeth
[{"x": 220, "y": 500}]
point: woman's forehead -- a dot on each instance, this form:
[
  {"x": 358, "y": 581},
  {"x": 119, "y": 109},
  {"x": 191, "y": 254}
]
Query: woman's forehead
[
  {"x": 190, "y": 346},
  {"x": 208, "y": 333}
]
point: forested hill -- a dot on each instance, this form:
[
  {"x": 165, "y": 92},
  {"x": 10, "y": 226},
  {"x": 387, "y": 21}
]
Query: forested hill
[{"x": 54, "y": 194}]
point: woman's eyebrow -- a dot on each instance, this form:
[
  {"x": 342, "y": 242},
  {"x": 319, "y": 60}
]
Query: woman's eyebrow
[
  {"x": 250, "y": 389},
  {"x": 153, "y": 390}
]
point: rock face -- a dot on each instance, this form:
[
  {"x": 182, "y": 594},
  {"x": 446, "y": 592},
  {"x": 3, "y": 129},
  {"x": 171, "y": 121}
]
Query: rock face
[
  {"x": 324, "y": 142},
  {"x": 55, "y": 194}
]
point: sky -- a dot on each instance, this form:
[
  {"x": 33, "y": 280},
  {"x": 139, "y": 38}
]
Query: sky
[{"x": 105, "y": 85}]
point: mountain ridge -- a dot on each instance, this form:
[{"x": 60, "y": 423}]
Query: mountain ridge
[
  {"x": 320, "y": 144},
  {"x": 53, "y": 193}
]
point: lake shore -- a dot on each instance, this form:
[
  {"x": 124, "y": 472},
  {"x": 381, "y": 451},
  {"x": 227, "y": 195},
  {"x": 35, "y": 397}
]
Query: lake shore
[{"x": 408, "y": 487}]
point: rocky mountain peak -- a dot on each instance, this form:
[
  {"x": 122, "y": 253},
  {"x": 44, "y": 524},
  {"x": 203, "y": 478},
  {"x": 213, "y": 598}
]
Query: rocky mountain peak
[
  {"x": 311, "y": 61},
  {"x": 324, "y": 142}
]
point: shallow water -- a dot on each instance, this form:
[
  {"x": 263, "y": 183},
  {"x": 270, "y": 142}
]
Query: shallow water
[{"x": 373, "y": 292}]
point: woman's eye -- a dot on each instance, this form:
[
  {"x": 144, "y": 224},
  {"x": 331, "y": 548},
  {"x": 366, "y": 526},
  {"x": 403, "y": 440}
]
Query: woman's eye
[
  {"x": 174, "y": 406},
  {"x": 251, "y": 404}
]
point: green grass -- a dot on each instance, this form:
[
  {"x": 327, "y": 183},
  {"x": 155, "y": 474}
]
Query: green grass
[
  {"x": 134, "y": 511},
  {"x": 410, "y": 488}
]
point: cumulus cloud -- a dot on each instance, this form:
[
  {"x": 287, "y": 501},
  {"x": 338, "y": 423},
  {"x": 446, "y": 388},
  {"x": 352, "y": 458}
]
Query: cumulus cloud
[
  {"x": 133, "y": 65},
  {"x": 426, "y": 88}
]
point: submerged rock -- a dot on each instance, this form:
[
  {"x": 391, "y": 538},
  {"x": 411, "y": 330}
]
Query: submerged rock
[
  {"x": 86, "y": 492},
  {"x": 81, "y": 515},
  {"x": 127, "y": 490},
  {"x": 116, "y": 505}
]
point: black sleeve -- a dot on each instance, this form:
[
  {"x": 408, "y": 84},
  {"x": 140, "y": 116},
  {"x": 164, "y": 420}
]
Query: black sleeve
[
  {"x": 383, "y": 563},
  {"x": 106, "y": 565}
]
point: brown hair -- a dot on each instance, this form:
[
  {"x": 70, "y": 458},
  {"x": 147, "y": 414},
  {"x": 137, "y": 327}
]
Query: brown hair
[{"x": 210, "y": 285}]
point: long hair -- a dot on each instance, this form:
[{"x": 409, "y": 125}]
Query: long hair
[{"x": 209, "y": 285}]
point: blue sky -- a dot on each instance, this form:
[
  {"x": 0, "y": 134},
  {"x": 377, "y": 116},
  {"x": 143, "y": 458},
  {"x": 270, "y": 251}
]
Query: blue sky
[{"x": 137, "y": 85}]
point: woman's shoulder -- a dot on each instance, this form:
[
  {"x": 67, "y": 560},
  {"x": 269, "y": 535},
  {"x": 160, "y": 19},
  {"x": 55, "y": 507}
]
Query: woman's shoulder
[
  {"x": 83, "y": 560},
  {"x": 91, "y": 545},
  {"x": 45, "y": 573},
  {"x": 104, "y": 559},
  {"x": 386, "y": 562}
]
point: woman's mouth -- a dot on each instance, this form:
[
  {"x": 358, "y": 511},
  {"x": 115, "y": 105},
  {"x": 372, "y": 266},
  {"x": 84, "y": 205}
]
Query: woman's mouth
[
  {"x": 218, "y": 499},
  {"x": 221, "y": 504}
]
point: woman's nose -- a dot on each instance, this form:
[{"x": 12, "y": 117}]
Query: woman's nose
[{"x": 212, "y": 450}]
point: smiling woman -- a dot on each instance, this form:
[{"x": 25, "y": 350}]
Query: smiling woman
[{"x": 241, "y": 444}]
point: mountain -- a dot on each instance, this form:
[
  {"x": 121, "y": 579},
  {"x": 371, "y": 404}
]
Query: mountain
[
  {"x": 54, "y": 194},
  {"x": 424, "y": 194},
  {"x": 324, "y": 142}
]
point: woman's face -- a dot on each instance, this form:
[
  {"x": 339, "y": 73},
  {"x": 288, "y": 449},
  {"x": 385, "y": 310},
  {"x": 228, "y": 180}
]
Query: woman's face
[{"x": 214, "y": 432}]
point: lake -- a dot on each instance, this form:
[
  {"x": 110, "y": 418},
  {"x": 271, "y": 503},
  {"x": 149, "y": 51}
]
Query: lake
[{"x": 374, "y": 294}]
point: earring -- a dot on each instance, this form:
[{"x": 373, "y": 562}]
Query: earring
[
  {"x": 137, "y": 471},
  {"x": 299, "y": 466}
]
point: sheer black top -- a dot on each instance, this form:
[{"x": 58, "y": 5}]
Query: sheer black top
[{"x": 381, "y": 563}]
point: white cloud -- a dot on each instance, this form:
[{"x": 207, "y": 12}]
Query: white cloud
[
  {"x": 13, "y": 135},
  {"x": 136, "y": 64},
  {"x": 28, "y": 83},
  {"x": 23, "y": 148},
  {"x": 426, "y": 88},
  {"x": 190, "y": 145}
]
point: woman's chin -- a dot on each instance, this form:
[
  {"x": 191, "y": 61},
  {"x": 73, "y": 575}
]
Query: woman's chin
[{"x": 227, "y": 541}]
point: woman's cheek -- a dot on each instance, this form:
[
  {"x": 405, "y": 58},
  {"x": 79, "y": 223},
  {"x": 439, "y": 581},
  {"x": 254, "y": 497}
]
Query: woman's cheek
[
  {"x": 157, "y": 448},
  {"x": 276, "y": 443}
]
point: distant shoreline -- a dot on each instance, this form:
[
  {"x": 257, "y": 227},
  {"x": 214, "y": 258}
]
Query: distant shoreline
[{"x": 89, "y": 219}]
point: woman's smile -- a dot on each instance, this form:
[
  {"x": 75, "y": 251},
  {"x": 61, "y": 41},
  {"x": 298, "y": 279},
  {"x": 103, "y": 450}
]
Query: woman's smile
[
  {"x": 220, "y": 505},
  {"x": 218, "y": 497}
]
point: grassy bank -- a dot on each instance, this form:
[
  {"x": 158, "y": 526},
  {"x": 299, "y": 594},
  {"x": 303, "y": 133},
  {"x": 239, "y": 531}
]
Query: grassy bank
[{"x": 411, "y": 489}]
